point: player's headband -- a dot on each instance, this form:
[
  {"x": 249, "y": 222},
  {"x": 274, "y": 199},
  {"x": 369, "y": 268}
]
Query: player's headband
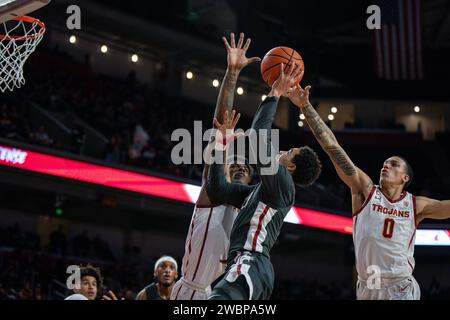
[{"x": 166, "y": 259}]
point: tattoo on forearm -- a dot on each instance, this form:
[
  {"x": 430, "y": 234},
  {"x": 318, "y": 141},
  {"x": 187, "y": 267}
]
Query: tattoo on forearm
[
  {"x": 328, "y": 141},
  {"x": 341, "y": 158},
  {"x": 320, "y": 130},
  {"x": 226, "y": 94}
]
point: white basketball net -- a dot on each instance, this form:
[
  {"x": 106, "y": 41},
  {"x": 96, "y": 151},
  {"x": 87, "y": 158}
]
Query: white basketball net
[{"x": 18, "y": 39}]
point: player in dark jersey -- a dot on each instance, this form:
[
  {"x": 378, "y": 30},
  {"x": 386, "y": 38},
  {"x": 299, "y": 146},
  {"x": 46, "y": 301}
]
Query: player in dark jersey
[
  {"x": 208, "y": 237},
  {"x": 249, "y": 273},
  {"x": 165, "y": 275}
]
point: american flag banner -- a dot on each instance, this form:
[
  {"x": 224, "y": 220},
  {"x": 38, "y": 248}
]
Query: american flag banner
[{"x": 398, "y": 44}]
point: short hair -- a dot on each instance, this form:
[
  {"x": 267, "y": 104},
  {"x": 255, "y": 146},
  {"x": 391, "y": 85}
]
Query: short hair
[
  {"x": 308, "y": 167},
  {"x": 241, "y": 160},
  {"x": 92, "y": 271},
  {"x": 409, "y": 172}
]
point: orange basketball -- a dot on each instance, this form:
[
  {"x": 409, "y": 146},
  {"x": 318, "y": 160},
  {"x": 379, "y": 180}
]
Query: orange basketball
[{"x": 270, "y": 65}]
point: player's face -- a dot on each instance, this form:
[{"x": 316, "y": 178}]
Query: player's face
[
  {"x": 88, "y": 287},
  {"x": 239, "y": 173},
  {"x": 166, "y": 273},
  {"x": 286, "y": 157},
  {"x": 393, "y": 172}
]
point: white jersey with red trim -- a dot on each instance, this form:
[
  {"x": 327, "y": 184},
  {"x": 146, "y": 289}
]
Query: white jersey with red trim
[
  {"x": 206, "y": 250},
  {"x": 383, "y": 235}
]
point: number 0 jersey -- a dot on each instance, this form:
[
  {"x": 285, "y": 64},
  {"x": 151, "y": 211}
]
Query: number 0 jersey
[{"x": 383, "y": 235}]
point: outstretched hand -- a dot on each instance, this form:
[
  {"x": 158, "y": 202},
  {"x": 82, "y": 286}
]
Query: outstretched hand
[
  {"x": 286, "y": 80},
  {"x": 229, "y": 122},
  {"x": 110, "y": 296},
  {"x": 225, "y": 132},
  {"x": 299, "y": 96},
  {"x": 236, "y": 53}
]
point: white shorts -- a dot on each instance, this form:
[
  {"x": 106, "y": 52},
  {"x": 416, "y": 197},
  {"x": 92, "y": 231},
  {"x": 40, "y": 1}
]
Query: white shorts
[
  {"x": 392, "y": 289},
  {"x": 186, "y": 290}
]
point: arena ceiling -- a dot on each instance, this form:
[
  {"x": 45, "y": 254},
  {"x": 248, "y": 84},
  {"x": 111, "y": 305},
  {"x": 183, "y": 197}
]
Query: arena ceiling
[{"x": 331, "y": 36}]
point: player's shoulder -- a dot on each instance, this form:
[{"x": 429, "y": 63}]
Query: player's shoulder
[
  {"x": 151, "y": 286},
  {"x": 151, "y": 292},
  {"x": 147, "y": 292},
  {"x": 141, "y": 295},
  {"x": 281, "y": 179}
]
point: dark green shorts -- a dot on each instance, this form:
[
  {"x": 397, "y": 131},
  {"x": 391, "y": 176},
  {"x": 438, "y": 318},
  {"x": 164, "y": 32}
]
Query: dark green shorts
[{"x": 249, "y": 276}]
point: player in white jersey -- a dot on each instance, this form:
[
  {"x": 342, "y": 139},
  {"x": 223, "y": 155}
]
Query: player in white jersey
[
  {"x": 385, "y": 216},
  {"x": 383, "y": 234},
  {"x": 208, "y": 236}
]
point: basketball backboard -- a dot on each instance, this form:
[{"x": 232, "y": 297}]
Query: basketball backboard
[{"x": 10, "y": 9}]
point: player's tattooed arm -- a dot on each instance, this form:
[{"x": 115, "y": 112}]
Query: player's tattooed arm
[
  {"x": 320, "y": 130},
  {"x": 226, "y": 95},
  {"x": 432, "y": 209},
  {"x": 328, "y": 141},
  {"x": 350, "y": 174},
  {"x": 236, "y": 62},
  {"x": 341, "y": 158},
  {"x": 323, "y": 134}
]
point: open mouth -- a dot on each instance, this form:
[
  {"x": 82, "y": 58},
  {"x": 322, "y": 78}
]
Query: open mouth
[{"x": 239, "y": 175}]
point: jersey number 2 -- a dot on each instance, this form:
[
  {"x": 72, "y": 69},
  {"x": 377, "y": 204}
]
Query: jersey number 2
[{"x": 388, "y": 228}]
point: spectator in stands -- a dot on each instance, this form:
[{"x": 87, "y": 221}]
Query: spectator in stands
[
  {"x": 9, "y": 122},
  {"x": 14, "y": 236},
  {"x": 78, "y": 139},
  {"x": 42, "y": 137},
  {"x": 101, "y": 249},
  {"x": 25, "y": 293},
  {"x": 30, "y": 274},
  {"x": 58, "y": 241},
  {"x": 82, "y": 244},
  {"x": 113, "y": 152},
  {"x": 114, "y": 107}
]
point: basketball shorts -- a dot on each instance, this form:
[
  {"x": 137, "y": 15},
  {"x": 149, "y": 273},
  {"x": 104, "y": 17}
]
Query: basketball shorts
[
  {"x": 184, "y": 289},
  {"x": 249, "y": 276},
  {"x": 389, "y": 289}
]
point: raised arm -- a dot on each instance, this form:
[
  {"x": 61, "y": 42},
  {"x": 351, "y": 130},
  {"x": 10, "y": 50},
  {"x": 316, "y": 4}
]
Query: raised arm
[
  {"x": 273, "y": 176},
  {"x": 265, "y": 114},
  {"x": 236, "y": 62},
  {"x": 218, "y": 188},
  {"x": 358, "y": 181},
  {"x": 432, "y": 209}
]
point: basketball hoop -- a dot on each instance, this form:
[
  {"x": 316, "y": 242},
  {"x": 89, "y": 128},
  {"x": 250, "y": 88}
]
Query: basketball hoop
[{"x": 19, "y": 38}]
